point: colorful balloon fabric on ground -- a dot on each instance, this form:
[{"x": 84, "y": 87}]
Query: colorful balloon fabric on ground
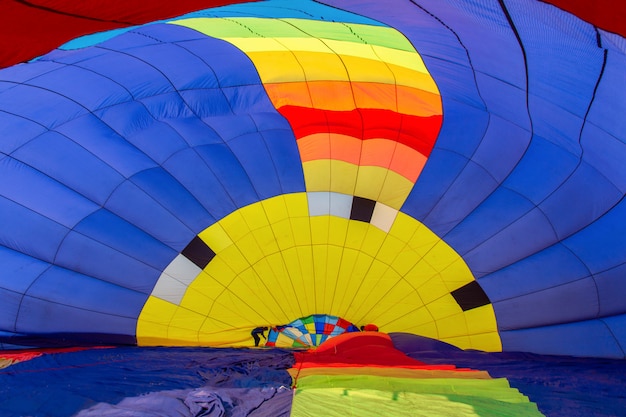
[{"x": 402, "y": 164}]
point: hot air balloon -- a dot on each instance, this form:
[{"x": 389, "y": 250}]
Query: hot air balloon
[{"x": 451, "y": 170}]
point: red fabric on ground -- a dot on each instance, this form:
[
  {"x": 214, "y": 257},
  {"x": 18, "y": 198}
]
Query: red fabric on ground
[{"x": 359, "y": 349}]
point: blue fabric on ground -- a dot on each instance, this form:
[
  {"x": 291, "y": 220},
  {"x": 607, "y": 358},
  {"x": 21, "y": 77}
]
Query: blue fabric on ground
[
  {"x": 561, "y": 386},
  {"x": 133, "y": 381}
]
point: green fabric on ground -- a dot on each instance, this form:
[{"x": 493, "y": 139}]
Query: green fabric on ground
[{"x": 386, "y": 396}]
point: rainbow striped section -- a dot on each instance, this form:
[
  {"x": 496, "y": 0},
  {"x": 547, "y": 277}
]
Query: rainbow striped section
[{"x": 362, "y": 105}]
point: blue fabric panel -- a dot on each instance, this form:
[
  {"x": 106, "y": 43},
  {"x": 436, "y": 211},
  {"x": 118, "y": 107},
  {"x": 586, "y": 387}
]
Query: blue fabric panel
[
  {"x": 113, "y": 231},
  {"x": 249, "y": 99},
  {"x": 207, "y": 103},
  {"x": 587, "y": 195},
  {"x": 87, "y": 293},
  {"x": 544, "y": 167},
  {"x": 158, "y": 140},
  {"x": 167, "y": 106},
  {"x": 601, "y": 245},
  {"x": 170, "y": 59},
  {"x": 617, "y": 326},
  {"x": 37, "y": 315},
  {"x": 608, "y": 108},
  {"x": 9, "y": 308},
  {"x": 138, "y": 77},
  {"x": 607, "y": 156},
  {"x": 573, "y": 301},
  {"x": 187, "y": 166},
  {"x": 29, "y": 232},
  {"x": 18, "y": 270},
  {"x": 230, "y": 65},
  {"x": 69, "y": 207},
  {"x": 551, "y": 267},
  {"x": 230, "y": 172},
  {"x": 566, "y": 339},
  {"x": 505, "y": 247},
  {"x": 18, "y": 74},
  {"x": 132, "y": 258},
  {"x": 174, "y": 198},
  {"x": 17, "y": 131},
  {"x": 611, "y": 289},
  {"x": 144, "y": 212},
  {"x": 253, "y": 155},
  {"x": 52, "y": 109},
  {"x": 456, "y": 143},
  {"x": 87, "y": 89},
  {"x": 71, "y": 164},
  {"x": 104, "y": 143},
  {"x": 284, "y": 150}
]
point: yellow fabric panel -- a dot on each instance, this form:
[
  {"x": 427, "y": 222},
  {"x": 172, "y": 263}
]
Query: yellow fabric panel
[
  {"x": 456, "y": 274},
  {"x": 344, "y": 285},
  {"x": 266, "y": 240},
  {"x": 220, "y": 269},
  {"x": 489, "y": 342},
  {"x": 201, "y": 294},
  {"x": 153, "y": 321},
  {"x": 275, "y": 209},
  {"x": 235, "y": 225},
  {"x": 317, "y": 176},
  {"x": 330, "y": 175},
  {"x": 397, "y": 60},
  {"x": 481, "y": 319},
  {"x": 395, "y": 190},
  {"x": 314, "y": 66},
  {"x": 374, "y": 289},
  {"x": 419, "y": 322},
  {"x": 359, "y": 272},
  {"x": 289, "y": 299},
  {"x": 430, "y": 288},
  {"x": 356, "y": 234},
  {"x": 249, "y": 248},
  {"x": 399, "y": 304},
  {"x": 319, "y": 230},
  {"x": 337, "y": 229},
  {"x": 216, "y": 237},
  {"x": 390, "y": 249},
  {"x": 463, "y": 342},
  {"x": 369, "y": 183},
  {"x": 278, "y": 288},
  {"x": 373, "y": 241},
  {"x": 301, "y": 227},
  {"x": 443, "y": 307},
  {"x": 297, "y": 204},
  {"x": 297, "y": 280},
  {"x": 333, "y": 266},
  {"x": 320, "y": 281},
  {"x": 440, "y": 257},
  {"x": 184, "y": 325},
  {"x": 284, "y": 234},
  {"x": 234, "y": 258},
  {"x": 453, "y": 326},
  {"x": 254, "y": 216}
]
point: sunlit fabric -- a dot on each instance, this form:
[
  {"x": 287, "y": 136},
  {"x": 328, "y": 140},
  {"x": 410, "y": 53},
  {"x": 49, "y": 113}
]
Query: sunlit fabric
[{"x": 448, "y": 169}]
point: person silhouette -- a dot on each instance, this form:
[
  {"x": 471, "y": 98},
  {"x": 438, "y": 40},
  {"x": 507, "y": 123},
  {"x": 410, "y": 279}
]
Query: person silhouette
[{"x": 256, "y": 332}]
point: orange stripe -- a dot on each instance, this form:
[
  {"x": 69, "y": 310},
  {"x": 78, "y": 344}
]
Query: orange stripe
[
  {"x": 383, "y": 153},
  {"x": 346, "y": 95}
]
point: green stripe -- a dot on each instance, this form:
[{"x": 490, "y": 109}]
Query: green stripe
[{"x": 252, "y": 27}]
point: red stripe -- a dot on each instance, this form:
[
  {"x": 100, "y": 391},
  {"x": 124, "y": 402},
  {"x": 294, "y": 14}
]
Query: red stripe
[{"x": 415, "y": 132}]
